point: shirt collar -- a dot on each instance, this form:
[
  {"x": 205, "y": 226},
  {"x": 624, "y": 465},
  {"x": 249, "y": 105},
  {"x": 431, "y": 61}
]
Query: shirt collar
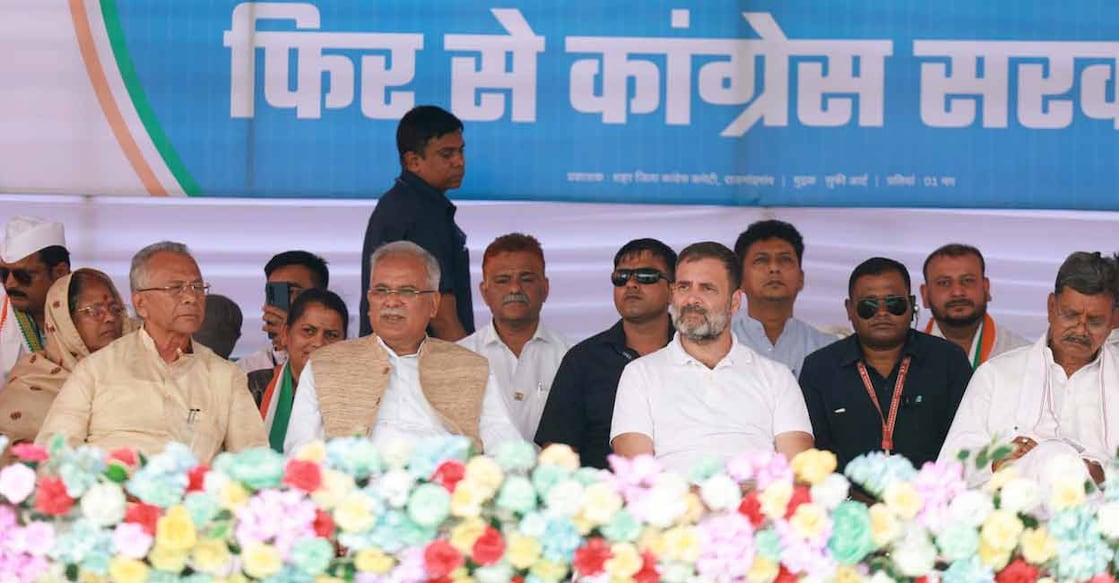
[
  {"x": 1050, "y": 361},
  {"x": 393, "y": 356},
  {"x": 737, "y": 353},
  {"x": 149, "y": 344},
  {"x": 615, "y": 337},
  {"x": 852, "y": 352},
  {"x": 429, "y": 192},
  {"x": 490, "y": 336}
]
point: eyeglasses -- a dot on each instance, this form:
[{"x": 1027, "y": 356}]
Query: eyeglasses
[
  {"x": 23, "y": 275},
  {"x": 404, "y": 293},
  {"x": 98, "y": 311},
  {"x": 643, "y": 275},
  {"x": 197, "y": 288},
  {"x": 868, "y": 307}
]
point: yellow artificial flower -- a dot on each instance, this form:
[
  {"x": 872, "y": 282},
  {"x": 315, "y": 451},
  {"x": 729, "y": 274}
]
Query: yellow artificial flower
[
  {"x": 521, "y": 551},
  {"x": 260, "y": 561},
  {"x": 87, "y": 577},
  {"x": 813, "y": 465},
  {"x": 695, "y": 509},
  {"x": 329, "y": 579},
  {"x": 353, "y": 514},
  {"x": 582, "y": 524},
  {"x": 211, "y": 556},
  {"x": 167, "y": 560},
  {"x": 1001, "y": 530},
  {"x": 1037, "y": 546},
  {"x": 561, "y": 455},
  {"x": 373, "y": 561},
  {"x": 175, "y": 530},
  {"x": 847, "y": 574},
  {"x": 1066, "y": 493},
  {"x": 999, "y": 479},
  {"x": 486, "y": 474},
  {"x": 335, "y": 486},
  {"x": 467, "y": 499},
  {"x": 461, "y": 575},
  {"x": 465, "y": 533},
  {"x": 549, "y": 570},
  {"x": 652, "y": 540},
  {"x": 763, "y": 570},
  {"x": 312, "y": 452},
  {"x": 884, "y": 526},
  {"x": 775, "y": 499},
  {"x": 681, "y": 543},
  {"x": 600, "y": 503},
  {"x": 624, "y": 561},
  {"x": 903, "y": 500},
  {"x": 122, "y": 570},
  {"x": 994, "y": 558},
  {"x": 809, "y": 520},
  {"x": 235, "y": 578},
  {"x": 233, "y": 496}
]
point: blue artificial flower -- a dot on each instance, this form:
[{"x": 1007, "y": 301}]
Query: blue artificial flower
[
  {"x": 86, "y": 545},
  {"x": 163, "y": 480},
  {"x": 515, "y": 456},
  {"x": 257, "y": 468},
  {"x": 80, "y": 469},
  {"x": 875, "y": 471},
  {"x": 356, "y": 456},
  {"x": 1081, "y": 559},
  {"x": 560, "y": 540},
  {"x": 970, "y": 570},
  {"x": 202, "y": 507},
  {"x": 432, "y": 452}
]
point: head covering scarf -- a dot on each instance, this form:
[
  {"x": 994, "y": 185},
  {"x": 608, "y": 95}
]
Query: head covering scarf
[{"x": 36, "y": 378}]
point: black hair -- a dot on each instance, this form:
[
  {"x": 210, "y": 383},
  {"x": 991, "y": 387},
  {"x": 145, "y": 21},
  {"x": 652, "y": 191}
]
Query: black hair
[
  {"x": 765, "y": 230},
  {"x": 954, "y": 250},
  {"x": 324, "y": 298},
  {"x": 421, "y": 125},
  {"x": 714, "y": 250},
  {"x": 54, "y": 255},
  {"x": 651, "y": 246},
  {"x": 80, "y": 279},
  {"x": 316, "y": 264},
  {"x": 1089, "y": 274},
  {"x": 878, "y": 266}
]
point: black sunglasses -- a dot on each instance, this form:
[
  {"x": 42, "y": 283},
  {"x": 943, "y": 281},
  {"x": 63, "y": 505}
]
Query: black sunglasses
[
  {"x": 895, "y": 305},
  {"x": 643, "y": 275},
  {"x": 23, "y": 275}
]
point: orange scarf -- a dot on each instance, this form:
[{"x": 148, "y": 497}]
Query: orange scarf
[{"x": 986, "y": 340}]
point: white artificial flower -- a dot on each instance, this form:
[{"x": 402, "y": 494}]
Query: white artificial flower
[
  {"x": 970, "y": 508},
  {"x": 395, "y": 486},
  {"x": 665, "y": 501},
  {"x": 830, "y": 491},
  {"x": 1063, "y": 467},
  {"x": 104, "y": 504},
  {"x": 565, "y": 498},
  {"x": 880, "y": 577},
  {"x": 719, "y": 492},
  {"x": 1020, "y": 495},
  {"x": 1108, "y": 519},
  {"x": 914, "y": 554},
  {"x": 213, "y": 483},
  {"x": 396, "y": 452}
]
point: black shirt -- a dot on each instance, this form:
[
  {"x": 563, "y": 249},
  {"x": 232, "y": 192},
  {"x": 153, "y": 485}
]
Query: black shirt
[
  {"x": 844, "y": 419},
  {"x": 580, "y": 404},
  {"x": 414, "y": 211}
]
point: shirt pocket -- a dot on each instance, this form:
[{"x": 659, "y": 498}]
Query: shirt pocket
[{"x": 204, "y": 433}]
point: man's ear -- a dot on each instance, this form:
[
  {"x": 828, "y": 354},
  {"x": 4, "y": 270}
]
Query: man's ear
[
  {"x": 411, "y": 161},
  {"x": 59, "y": 270},
  {"x": 140, "y": 305}
]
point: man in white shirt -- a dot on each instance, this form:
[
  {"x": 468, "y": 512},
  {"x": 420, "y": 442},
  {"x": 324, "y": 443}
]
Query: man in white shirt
[
  {"x": 706, "y": 394},
  {"x": 33, "y": 257},
  {"x": 398, "y": 383},
  {"x": 956, "y": 291},
  {"x": 523, "y": 353},
  {"x": 771, "y": 254},
  {"x": 1057, "y": 396}
]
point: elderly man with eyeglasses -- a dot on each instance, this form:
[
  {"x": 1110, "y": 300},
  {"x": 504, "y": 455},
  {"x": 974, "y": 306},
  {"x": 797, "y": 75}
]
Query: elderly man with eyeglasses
[
  {"x": 399, "y": 384},
  {"x": 156, "y": 385}
]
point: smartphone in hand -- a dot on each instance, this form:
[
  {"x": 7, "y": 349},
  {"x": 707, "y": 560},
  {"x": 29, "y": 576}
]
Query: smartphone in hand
[{"x": 278, "y": 293}]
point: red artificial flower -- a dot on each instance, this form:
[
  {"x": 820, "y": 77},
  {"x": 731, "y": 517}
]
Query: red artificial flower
[
  {"x": 145, "y": 515},
  {"x": 125, "y": 456},
  {"x": 324, "y": 524},
  {"x": 489, "y": 547},
  {"x": 52, "y": 499},
  {"x": 785, "y": 576},
  {"x": 801, "y": 495},
  {"x": 751, "y": 508},
  {"x": 1017, "y": 571},
  {"x": 29, "y": 452},
  {"x": 518, "y": 579},
  {"x": 922, "y": 579},
  {"x": 449, "y": 474},
  {"x": 440, "y": 559},
  {"x": 196, "y": 478},
  {"x": 303, "y": 475},
  {"x": 648, "y": 572},
  {"x": 590, "y": 559},
  {"x": 1102, "y": 578}
]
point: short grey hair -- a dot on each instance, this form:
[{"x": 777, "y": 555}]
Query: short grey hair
[
  {"x": 431, "y": 265},
  {"x": 138, "y": 273},
  {"x": 1089, "y": 273}
]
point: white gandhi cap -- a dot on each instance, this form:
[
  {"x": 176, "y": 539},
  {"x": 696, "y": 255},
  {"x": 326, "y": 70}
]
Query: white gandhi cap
[{"x": 26, "y": 235}]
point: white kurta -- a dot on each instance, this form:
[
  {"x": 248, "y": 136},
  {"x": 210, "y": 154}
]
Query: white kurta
[
  {"x": 526, "y": 380},
  {"x": 12, "y": 343},
  {"x": 1024, "y": 392}
]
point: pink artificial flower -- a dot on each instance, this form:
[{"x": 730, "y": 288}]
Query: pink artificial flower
[{"x": 29, "y": 452}]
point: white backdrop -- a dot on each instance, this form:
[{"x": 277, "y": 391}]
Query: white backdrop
[{"x": 233, "y": 239}]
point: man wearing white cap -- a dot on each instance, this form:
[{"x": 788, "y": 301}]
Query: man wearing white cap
[{"x": 34, "y": 255}]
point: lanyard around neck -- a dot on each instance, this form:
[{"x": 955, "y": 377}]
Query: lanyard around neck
[{"x": 889, "y": 422}]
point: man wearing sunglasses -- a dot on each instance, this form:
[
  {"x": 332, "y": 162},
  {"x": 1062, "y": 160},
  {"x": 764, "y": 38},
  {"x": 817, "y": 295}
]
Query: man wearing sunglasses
[
  {"x": 581, "y": 402},
  {"x": 706, "y": 395},
  {"x": 887, "y": 387},
  {"x": 33, "y": 257},
  {"x": 771, "y": 254},
  {"x": 1057, "y": 397}
]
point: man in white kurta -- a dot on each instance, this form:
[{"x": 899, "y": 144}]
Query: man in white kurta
[
  {"x": 1058, "y": 396},
  {"x": 32, "y": 257},
  {"x": 706, "y": 395}
]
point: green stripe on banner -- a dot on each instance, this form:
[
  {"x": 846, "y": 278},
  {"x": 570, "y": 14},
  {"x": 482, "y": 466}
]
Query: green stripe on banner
[{"x": 140, "y": 100}]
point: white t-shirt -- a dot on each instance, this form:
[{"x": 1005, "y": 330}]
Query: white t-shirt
[{"x": 692, "y": 412}]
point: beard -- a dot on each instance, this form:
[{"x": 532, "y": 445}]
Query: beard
[
  {"x": 976, "y": 315},
  {"x": 708, "y": 328}
]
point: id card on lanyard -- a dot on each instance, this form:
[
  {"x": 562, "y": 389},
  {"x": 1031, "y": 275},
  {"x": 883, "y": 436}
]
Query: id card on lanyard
[{"x": 890, "y": 420}]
